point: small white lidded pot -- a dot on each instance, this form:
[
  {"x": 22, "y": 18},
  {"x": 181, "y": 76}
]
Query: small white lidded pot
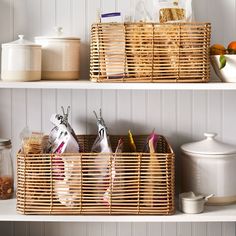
[
  {"x": 21, "y": 60},
  {"x": 208, "y": 166},
  {"x": 190, "y": 203},
  {"x": 60, "y": 56}
]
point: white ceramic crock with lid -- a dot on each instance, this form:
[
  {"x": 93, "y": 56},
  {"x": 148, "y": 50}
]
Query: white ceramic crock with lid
[
  {"x": 21, "y": 60},
  {"x": 209, "y": 167},
  {"x": 60, "y": 56}
]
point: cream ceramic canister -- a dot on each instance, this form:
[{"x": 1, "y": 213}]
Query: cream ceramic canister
[
  {"x": 209, "y": 167},
  {"x": 21, "y": 60},
  {"x": 60, "y": 56}
]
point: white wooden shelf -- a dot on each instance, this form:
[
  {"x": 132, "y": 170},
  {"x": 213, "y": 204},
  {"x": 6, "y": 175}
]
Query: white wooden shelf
[
  {"x": 117, "y": 86},
  {"x": 211, "y": 214}
]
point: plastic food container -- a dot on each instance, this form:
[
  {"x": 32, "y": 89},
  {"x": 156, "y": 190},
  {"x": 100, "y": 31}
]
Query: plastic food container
[
  {"x": 21, "y": 60},
  {"x": 208, "y": 167},
  {"x": 60, "y": 56}
]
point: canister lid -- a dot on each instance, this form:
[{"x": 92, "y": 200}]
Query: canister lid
[
  {"x": 209, "y": 146},
  {"x": 22, "y": 42},
  {"x": 58, "y": 36},
  {"x": 5, "y": 143}
]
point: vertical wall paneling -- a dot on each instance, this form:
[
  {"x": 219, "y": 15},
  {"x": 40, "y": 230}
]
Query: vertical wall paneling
[
  {"x": 36, "y": 229},
  {"x": 124, "y": 229},
  {"x": 184, "y": 127},
  {"x": 33, "y": 14},
  {"x": 95, "y": 229},
  {"x": 92, "y": 10},
  {"x": 64, "y": 99},
  {"x": 94, "y": 103},
  {"x": 21, "y": 229},
  {"x": 199, "y": 229},
  {"x": 7, "y": 228},
  {"x": 124, "y": 6},
  {"x": 20, "y": 18},
  {"x": 169, "y": 116},
  {"x": 154, "y": 111},
  {"x": 49, "y": 106},
  {"x": 19, "y": 117},
  {"x": 6, "y": 20},
  {"x": 199, "y": 116},
  {"x": 34, "y": 109},
  {"x": 5, "y": 112},
  {"x": 229, "y": 116},
  {"x": 200, "y": 10},
  {"x": 214, "y": 229},
  {"x": 79, "y": 111},
  {"x": 108, "y": 6},
  {"x": 63, "y": 15},
  {"x": 184, "y": 229},
  {"x": 109, "y": 229},
  {"x": 109, "y": 107},
  {"x": 228, "y": 229},
  {"x": 124, "y": 110},
  {"x": 227, "y": 11},
  {"x": 139, "y": 229},
  {"x": 48, "y": 16},
  {"x": 78, "y": 19},
  {"x": 55, "y": 229},
  {"x": 214, "y": 103},
  {"x": 154, "y": 229},
  {"x": 139, "y": 112},
  {"x": 169, "y": 229}
]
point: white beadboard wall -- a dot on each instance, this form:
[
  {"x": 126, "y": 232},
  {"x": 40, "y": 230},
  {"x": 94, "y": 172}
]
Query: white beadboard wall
[{"x": 180, "y": 115}]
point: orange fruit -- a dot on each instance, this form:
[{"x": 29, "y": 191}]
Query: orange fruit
[
  {"x": 217, "y": 49},
  {"x": 232, "y": 47}
]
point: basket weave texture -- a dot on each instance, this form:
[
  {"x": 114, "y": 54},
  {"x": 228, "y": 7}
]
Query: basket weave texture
[
  {"x": 142, "y": 185},
  {"x": 150, "y": 52}
]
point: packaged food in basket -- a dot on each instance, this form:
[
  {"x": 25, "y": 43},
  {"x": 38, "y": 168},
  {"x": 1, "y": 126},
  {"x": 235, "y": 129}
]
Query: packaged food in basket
[
  {"x": 114, "y": 171},
  {"x": 173, "y": 11},
  {"x": 66, "y": 177},
  {"x": 139, "y": 50},
  {"x": 32, "y": 142},
  {"x": 100, "y": 169},
  {"x": 112, "y": 52},
  {"x": 152, "y": 175},
  {"x": 131, "y": 142}
]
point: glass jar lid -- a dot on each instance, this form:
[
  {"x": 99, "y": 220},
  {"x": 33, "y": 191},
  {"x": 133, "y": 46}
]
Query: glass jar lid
[{"x": 5, "y": 143}]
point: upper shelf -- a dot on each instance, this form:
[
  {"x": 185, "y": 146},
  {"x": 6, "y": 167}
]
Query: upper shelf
[
  {"x": 211, "y": 214},
  {"x": 118, "y": 86}
]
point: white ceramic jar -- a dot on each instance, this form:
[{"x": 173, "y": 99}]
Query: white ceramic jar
[
  {"x": 209, "y": 167},
  {"x": 21, "y": 60},
  {"x": 60, "y": 56}
]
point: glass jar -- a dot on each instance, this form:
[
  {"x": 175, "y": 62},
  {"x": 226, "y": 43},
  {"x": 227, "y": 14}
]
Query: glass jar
[{"x": 6, "y": 170}]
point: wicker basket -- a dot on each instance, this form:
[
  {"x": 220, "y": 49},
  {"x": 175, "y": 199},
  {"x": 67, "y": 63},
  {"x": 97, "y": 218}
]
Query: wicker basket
[
  {"x": 148, "y": 52},
  {"x": 142, "y": 185}
]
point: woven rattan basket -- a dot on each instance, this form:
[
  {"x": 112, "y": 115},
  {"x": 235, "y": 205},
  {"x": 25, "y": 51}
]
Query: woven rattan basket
[
  {"x": 148, "y": 52},
  {"x": 142, "y": 185}
]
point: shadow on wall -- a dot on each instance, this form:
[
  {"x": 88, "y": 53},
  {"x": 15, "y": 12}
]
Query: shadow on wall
[{"x": 84, "y": 60}]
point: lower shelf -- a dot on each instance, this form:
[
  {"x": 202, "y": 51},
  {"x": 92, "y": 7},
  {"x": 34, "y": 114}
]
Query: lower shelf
[{"x": 211, "y": 214}]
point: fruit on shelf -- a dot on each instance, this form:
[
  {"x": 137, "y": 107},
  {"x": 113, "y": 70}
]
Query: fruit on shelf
[
  {"x": 232, "y": 48},
  {"x": 217, "y": 49}
]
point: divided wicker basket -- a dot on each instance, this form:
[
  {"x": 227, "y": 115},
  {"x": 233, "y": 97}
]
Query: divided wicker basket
[
  {"x": 143, "y": 184},
  {"x": 150, "y": 52}
]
